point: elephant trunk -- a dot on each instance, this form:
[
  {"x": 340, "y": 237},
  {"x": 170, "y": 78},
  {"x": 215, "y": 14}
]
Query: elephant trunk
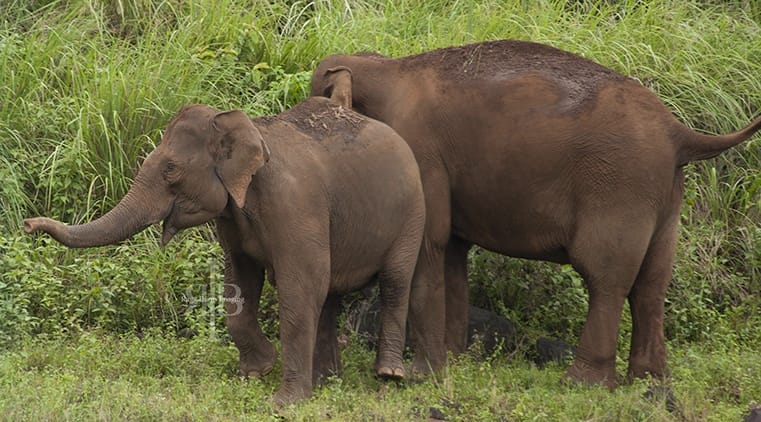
[{"x": 136, "y": 211}]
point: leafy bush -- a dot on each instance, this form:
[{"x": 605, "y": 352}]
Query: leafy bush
[{"x": 127, "y": 288}]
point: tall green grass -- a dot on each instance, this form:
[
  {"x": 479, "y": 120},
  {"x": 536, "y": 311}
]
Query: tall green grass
[{"x": 97, "y": 80}]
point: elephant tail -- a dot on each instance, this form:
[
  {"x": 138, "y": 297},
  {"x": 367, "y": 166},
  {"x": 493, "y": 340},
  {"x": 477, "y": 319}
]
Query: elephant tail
[{"x": 696, "y": 146}]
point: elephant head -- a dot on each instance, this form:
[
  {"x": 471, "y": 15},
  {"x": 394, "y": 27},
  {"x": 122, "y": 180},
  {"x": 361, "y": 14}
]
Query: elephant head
[{"x": 205, "y": 158}]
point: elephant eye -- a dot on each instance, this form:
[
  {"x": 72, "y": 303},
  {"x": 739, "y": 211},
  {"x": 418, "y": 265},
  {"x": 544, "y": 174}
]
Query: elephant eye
[{"x": 170, "y": 172}]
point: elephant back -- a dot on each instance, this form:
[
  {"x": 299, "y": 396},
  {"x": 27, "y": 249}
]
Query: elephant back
[{"x": 322, "y": 119}]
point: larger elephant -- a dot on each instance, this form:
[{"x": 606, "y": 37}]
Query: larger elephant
[
  {"x": 534, "y": 152},
  {"x": 323, "y": 198}
]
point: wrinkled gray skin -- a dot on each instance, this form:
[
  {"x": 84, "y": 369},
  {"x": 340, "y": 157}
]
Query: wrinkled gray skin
[
  {"x": 534, "y": 152},
  {"x": 325, "y": 199}
]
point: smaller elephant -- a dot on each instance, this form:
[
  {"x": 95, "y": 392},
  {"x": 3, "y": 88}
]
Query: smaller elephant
[{"x": 323, "y": 198}]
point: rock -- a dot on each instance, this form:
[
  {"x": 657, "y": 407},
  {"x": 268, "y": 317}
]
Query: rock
[
  {"x": 490, "y": 329},
  {"x": 552, "y": 350},
  {"x": 363, "y": 317},
  {"x": 436, "y": 415},
  {"x": 754, "y": 415},
  {"x": 663, "y": 393},
  {"x": 484, "y": 326},
  {"x": 187, "y": 333}
]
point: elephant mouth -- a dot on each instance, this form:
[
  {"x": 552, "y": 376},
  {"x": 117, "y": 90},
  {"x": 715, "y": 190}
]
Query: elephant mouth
[
  {"x": 169, "y": 229},
  {"x": 181, "y": 217}
]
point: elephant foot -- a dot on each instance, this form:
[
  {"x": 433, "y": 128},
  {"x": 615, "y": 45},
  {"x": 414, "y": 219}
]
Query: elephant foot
[
  {"x": 254, "y": 373},
  {"x": 251, "y": 368},
  {"x": 643, "y": 368},
  {"x": 321, "y": 372},
  {"x": 389, "y": 366},
  {"x": 286, "y": 396},
  {"x": 583, "y": 374},
  {"x": 422, "y": 367},
  {"x": 390, "y": 373}
]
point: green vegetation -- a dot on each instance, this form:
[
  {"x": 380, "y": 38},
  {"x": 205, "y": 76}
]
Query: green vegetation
[
  {"x": 98, "y": 375},
  {"x": 86, "y": 87}
]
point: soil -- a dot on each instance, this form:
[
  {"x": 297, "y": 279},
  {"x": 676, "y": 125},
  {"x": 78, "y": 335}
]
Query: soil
[
  {"x": 503, "y": 57},
  {"x": 320, "y": 118},
  {"x": 580, "y": 79}
]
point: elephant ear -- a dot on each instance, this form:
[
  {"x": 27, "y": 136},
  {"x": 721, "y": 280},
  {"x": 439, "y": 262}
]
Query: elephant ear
[
  {"x": 239, "y": 151},
  {"x": 339, "y": 85}
]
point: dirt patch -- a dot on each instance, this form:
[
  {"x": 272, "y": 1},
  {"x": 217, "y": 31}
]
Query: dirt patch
[
  {"x": 502, "y": 57},
  {"x": 580, "y": 78},
  {"x": 320, "y": 118}
]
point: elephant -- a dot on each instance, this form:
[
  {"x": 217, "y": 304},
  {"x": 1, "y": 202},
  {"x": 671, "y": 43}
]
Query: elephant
[
  {"x": 322, "y": 198},
  {"x": 534, "y": 152}
]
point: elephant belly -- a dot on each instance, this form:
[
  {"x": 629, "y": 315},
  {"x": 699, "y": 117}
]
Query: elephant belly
[
  {"x": 515, "y": 235},
  {"x": 520, "y": 218},
  {"x": 359, "y": 247},
  {"x": 513, "y": 188},
  {"x": 355, "y": 265},
  {"x": 347, "y": 281}
]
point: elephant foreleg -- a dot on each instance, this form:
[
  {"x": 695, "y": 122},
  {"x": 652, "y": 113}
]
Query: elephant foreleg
[
  {"x": 327, "y": 357},
  {"x": 244, "y": 280},
  {"x": 427, "y": 311},
  {"x": 302, "y": 287},
  {"x": 456, "y": 277}
]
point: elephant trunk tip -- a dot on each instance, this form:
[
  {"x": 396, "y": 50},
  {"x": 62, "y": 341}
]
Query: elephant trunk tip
[{"x": 32, "y": 225}]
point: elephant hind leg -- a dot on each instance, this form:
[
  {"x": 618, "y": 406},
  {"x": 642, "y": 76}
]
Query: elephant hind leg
[
  {"x": 608, "y": 256},
  {"x": 427, "y": 312},
  {"x": 394, "y": 301},
  {"x": 395, "y": 280},
  {"x": 647, "y": 299}
]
